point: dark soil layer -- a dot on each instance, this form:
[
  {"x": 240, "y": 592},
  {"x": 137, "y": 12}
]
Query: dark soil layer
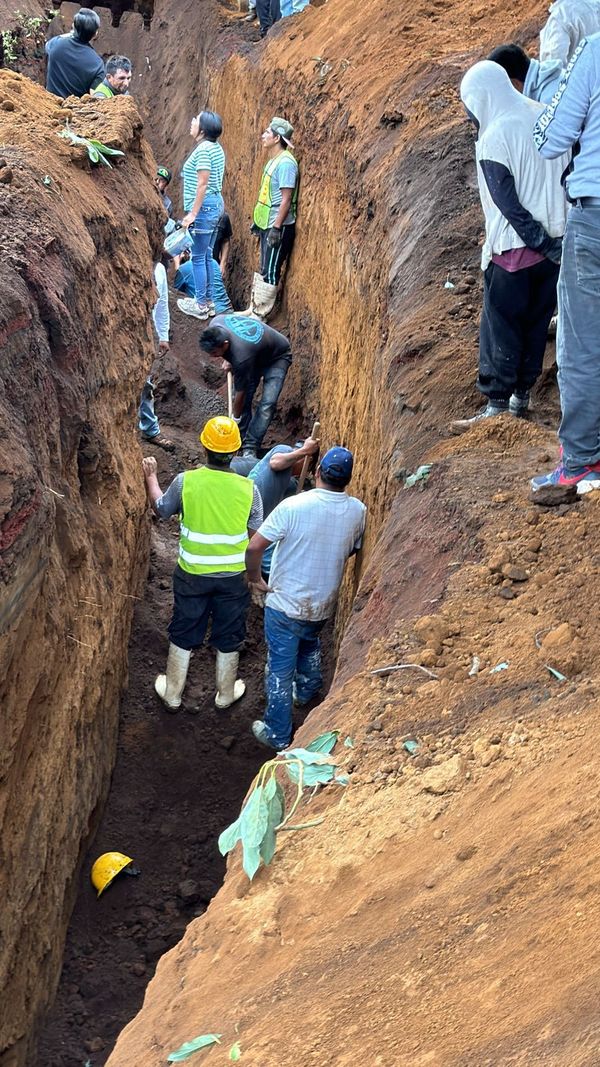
[{"x": 178, "y": 781}]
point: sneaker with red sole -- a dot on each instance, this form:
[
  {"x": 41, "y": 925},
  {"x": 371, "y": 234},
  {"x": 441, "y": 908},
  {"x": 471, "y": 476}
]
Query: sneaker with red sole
[{"x": 585, "y": 479}]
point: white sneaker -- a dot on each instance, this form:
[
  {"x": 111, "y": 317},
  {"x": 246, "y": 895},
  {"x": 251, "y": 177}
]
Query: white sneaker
[{"x": 191, "y": 307}]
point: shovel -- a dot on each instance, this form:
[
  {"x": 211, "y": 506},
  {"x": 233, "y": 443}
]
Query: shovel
[{"x": 314, "y": 433}]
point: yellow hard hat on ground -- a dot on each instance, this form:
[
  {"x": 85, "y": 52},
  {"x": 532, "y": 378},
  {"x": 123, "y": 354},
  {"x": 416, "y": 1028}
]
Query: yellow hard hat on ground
[
  {"x": 221, "y": 434},
  {"x": 106, "y": 868}
]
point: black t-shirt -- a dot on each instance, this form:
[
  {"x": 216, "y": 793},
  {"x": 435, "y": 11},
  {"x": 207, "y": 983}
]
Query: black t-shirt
[
  {"x": 253, "y": 346},
  {"x": 73, "y": 67},
  {"x": 224, "y": 233}
]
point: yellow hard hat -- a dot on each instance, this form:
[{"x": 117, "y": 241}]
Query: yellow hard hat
[
  {"x": 221, "y": 434},
  {"x": 106, "y": 868}
]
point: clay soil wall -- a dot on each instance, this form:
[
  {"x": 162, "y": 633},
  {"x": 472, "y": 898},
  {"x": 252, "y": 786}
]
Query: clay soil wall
[{"x": 75, "y": 345}]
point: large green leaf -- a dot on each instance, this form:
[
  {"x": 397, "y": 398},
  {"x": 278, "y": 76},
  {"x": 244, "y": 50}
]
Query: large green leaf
[
  {"x": 254, "y": 817},
  {"x": 319, "y": 774},
  {"x": 276, "y": 812},
  {"x": 250, "y": 859},
  {"x": 324, "y": 742},
  {"x": 229, "y": 838},
  {"x": 188, "y": 1049},
  {"x": 306, "y": 756}
]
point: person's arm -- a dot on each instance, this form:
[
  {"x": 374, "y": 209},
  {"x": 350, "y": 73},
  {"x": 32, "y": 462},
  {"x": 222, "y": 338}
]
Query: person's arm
[
  {"x": 224, "y": 255},
  {"x": 254, "y": 554},
  {"x": 554, "y": 40},
  {"x": 150, "y": 468},
  {"x": 503, "y": 192},
  {"x": 190, "y": 218},
  {"x": 559, "y": 127},
  {"x": 284, "y": 207},
  {"x": 97, "y": 77},
  {"x": 282, "y": 461},
  {"x": 164, "y": 504},
  {"x": 160, "y": 311},
  {"x": 255, "y": 517}
]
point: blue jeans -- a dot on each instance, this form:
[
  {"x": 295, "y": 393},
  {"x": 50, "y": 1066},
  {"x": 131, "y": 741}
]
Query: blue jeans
[
  {"x": 578, "y": 338},
  {"x": 148, "y": 422},
  {"x": 220, "y": 294},
  {"x": 254, "y": 427},
  {"x": 184, "y": 282},
  {"x": 293, "y": 654},
  {"x": 203, "y": 234}
]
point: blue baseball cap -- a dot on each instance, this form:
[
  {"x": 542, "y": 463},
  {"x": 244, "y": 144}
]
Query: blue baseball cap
[{"x": 337, "y": 465}]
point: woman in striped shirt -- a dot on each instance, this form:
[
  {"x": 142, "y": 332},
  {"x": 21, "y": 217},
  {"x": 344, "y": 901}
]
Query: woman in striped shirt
[{"x": 202, "y": 175}]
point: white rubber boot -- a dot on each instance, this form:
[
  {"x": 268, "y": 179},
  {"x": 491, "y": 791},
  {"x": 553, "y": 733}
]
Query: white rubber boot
[
  {"x": 252, "y": 310},
  {"x": 170, "y": 686},
  {"x": 229, "y": 687},
  {"x": 265, "y": 296}
]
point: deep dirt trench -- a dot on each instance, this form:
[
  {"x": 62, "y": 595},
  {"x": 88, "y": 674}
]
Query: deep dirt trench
[
  {"x": 445, "y": 913},
  {"x": 178, "y": 779}
]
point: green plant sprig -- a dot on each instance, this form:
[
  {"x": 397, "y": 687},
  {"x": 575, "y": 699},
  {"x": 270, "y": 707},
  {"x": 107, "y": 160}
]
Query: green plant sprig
[{"x": 263, "y": 812}]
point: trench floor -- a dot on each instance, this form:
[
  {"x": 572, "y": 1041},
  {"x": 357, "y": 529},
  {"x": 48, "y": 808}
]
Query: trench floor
[{"x": 178, "y": 781}]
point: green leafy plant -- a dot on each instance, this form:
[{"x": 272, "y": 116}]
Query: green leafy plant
[
  {"x": 96, "y": 151},
  {"x": 421, "y": 475},
  {"x": 8, "y": 46},
  {"x": 264, "y": 814},
  {"x": 190, "y": 1047}
]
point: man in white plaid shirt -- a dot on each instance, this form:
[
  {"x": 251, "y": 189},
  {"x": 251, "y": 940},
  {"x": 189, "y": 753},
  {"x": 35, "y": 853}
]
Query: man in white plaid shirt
[{"x": 314, "y": 534}]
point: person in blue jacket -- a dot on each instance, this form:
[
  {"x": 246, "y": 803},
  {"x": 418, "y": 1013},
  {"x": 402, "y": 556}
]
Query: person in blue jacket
[
  {"x": 538, "y": 81},
  {"x": 572, "y": 122}
]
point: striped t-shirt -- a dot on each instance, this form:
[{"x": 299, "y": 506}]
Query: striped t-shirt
[{"x": 208, "y": 155}]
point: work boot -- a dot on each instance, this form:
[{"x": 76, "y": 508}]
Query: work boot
[
  {"x": 260, "y": 731},
  {"x": 493, "y": 407},
  {"x": 169, "y": 686},
  {"x": 265, "y": 296},
  {"x": 251, "y": 309},
  {"x": 519, "y": 404},
  {"x": 229, "y": 687}
]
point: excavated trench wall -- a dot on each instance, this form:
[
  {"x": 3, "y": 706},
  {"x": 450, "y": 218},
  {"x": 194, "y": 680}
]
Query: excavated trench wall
[{"x": 75, "y": 345}]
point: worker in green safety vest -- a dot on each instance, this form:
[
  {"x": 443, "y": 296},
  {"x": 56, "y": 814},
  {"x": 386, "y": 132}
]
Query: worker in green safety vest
[
  {"x": 117, "y": 78},
  {"x": 219, "y": 511},
  {"x": 274, "y": 215}
]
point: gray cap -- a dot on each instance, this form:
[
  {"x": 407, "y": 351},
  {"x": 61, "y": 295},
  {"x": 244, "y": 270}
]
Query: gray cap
[{"x": 282, "y": 128}]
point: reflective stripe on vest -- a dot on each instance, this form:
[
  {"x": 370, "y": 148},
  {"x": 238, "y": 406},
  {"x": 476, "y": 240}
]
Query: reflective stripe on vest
[
  {"x": 265, "y": 199},
  {"x": 216, "y": 507}
]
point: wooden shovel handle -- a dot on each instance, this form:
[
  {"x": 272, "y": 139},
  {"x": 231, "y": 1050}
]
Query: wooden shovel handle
[
  {"x": 230, "y": 394},
  {"x": 314, "y": 433}
]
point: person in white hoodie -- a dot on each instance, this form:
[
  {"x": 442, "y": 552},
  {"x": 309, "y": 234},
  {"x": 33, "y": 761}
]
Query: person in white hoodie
[{"x": 525, "y": 215}]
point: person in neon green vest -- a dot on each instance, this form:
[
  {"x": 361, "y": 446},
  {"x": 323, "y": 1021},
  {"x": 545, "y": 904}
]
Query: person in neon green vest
[
  {"x": 274, "y": 215},
  {"x": 117, "y": 78},
  {"x": 219, "y": 511}
]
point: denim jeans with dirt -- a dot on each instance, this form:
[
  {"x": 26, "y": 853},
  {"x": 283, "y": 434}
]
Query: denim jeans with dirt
[
  {"x": 203, "y": 234},
  {"x": 577, "y": 345},
  {"x": 293, "y": 655},
  {"x": 254, "y": 427}
]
